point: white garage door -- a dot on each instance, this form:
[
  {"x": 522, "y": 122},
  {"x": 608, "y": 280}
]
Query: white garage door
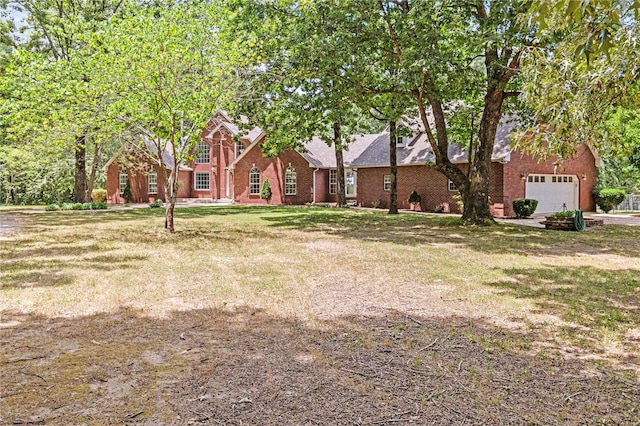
[{"x": 553, "y": 192}]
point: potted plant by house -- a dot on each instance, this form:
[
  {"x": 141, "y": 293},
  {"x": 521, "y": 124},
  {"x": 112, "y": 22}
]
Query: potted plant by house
[
  {"x": 567, "y": 220},
  {"x": 414, "y": 202}
]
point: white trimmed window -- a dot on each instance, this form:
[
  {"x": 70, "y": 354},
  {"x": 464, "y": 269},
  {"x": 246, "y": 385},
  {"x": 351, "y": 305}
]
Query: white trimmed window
[
  {"x": 386, "y": 184},
  {"x": 203, "y": 153},
  {"x": 290, "y": 181},
  {"x": 350, "y": 181},
  {"x": 239, "y": 149},
  {"x": 201, "y": 181},
  {"x": 452, "y": 186},
  {"x": 333, "y": 181},
  {"x": 122, "y": 180},
  {"x": 152, "y": 181},
  {"x": 254, "y": 181},
  {"x": 401, "y": 141}
]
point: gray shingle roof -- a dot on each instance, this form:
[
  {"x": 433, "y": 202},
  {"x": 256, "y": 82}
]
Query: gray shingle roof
[
  {"x": 373, "y": 150},
  {"x": 167, "y": 158}
]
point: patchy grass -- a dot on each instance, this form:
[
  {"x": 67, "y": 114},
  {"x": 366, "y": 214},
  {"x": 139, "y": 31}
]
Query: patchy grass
[{"x": 83, "y": 294}]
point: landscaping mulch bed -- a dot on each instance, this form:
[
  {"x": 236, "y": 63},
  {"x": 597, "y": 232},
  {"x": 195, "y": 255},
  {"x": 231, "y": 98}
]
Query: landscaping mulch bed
[{"x": 247, "y": 367}]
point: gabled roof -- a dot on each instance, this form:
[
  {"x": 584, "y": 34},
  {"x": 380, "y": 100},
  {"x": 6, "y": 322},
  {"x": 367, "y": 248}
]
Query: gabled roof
[
  {"x": 222, "y": 121},
  {"x": 373, "y": 150},
  {"x": 253, "y": 144},
  {"x": 167, "y": 157},
  {"x": 151, "y": 147},
  {"x": 321, "y": 155}
]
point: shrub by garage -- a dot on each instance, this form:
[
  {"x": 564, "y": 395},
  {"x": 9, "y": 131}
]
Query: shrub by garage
[{"x": 524, "y": 207}]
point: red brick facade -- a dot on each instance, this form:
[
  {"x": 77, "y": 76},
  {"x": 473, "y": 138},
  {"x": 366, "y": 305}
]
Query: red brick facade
[
  {"x": 582, "y": 165},
  {"x": 229, "y": 178},
  {"x": 274, "y": 170},
  {"x": 431, "y": 185}
]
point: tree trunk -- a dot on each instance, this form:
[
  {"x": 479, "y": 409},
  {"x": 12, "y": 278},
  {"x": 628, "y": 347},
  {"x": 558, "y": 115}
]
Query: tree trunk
[
  {"x": 476, "y": 197},
  {"x": 12, "y": 180},
  {"x": 337, "y": 143},
  {"x": 393, "y": 161},
  {"x": 97, "y": 155},
  {"x": 80, "y": 177},
  {"x": 168, "y": 216},
  {"x": 171, "y": 196}
]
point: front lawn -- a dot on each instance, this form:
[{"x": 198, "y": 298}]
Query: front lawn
[{"x": 293, "y": 315}]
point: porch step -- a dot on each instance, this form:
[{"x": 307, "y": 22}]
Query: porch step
[{"x": 195, "y": 201}]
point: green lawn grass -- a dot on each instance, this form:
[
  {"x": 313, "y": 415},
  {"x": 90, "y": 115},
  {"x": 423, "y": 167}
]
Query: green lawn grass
[
  {"x": 314, "y": 316},
  {"x": 316, "y": 263}
]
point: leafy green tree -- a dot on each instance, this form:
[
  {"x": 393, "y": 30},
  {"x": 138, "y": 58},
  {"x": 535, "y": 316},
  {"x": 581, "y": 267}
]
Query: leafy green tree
[
  {"x": 165, "y": 63},
  {"x": 294, "y": 87},
  {"x": 585, "y": 90},
  {"x": 49, "y": 94},
  {"x": 447, "y": 57}
]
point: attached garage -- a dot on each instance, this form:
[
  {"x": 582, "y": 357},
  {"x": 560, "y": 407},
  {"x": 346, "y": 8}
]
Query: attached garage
[{"x": 553, "y": 192}]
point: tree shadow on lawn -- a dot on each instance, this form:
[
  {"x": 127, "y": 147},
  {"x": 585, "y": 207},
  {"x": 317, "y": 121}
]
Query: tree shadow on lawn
[
  {"x": 404, "y": 229},
  {"x": 417, "y": 230},
  {"x": 223, "y": 366},
  {"x": 52, "y": 262},
  {"x": 595, "y": 301},
  {"x": 83, "y": 217},
  {"x": 56, "y": 272}
]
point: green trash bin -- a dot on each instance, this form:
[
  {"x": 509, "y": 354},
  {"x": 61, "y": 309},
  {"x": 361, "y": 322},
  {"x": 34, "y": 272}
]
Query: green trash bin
[{"x": 578, "y": 220}]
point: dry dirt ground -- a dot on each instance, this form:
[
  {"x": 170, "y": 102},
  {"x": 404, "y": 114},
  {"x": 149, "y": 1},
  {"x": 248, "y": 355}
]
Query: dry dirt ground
[{"x": 247, "y": 366}]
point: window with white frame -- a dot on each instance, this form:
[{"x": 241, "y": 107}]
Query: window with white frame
[
  {"x": 201, "y": 181},
  {"x": 350, "y": 182},
  {"x": 122, "y": 180},
  {"x": 401, "y": 141},
  {"x": 452, "y": 186},
  {"x": 239, "y": 148},
  {"x": 152, "y": 182},
  {"x": 203, "y": 153},
  {"x": 290, "y": 181},
  {"x": 333, "y": 181},
  {"x": 387, "y": 183},
  {"x": 254, "y": 181}
]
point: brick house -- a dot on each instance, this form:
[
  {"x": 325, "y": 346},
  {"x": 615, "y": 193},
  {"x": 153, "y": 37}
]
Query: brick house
[{"x": 231, "y": 166}]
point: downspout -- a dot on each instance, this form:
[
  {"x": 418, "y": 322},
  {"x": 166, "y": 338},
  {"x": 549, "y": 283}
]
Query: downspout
[
  {"x": 314, "y": 184},
  {"x": 233, "y": 186}
]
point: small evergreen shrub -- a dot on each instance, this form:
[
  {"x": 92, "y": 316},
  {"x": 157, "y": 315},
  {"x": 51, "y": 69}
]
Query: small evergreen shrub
[
  {"x": 66, "y": 206},
  {"x": 99, "y": 205},
  {"x": 524, "y": 207},
  {"x": 86, "y": 206},
  {"x": 608, "y": 198},
  {"x": 156, "y": 204},
  {"x": 76, "y": 206},
  {"x": 52, "y": 207},
  {"x": 98, "y": 195},
  {"x": 265, "y": 192},
  {"x": 126, "y": 192}
]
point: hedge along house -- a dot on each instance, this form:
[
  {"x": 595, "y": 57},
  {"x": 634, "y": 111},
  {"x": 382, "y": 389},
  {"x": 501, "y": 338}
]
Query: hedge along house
[{"x": 230, "y": 166}]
